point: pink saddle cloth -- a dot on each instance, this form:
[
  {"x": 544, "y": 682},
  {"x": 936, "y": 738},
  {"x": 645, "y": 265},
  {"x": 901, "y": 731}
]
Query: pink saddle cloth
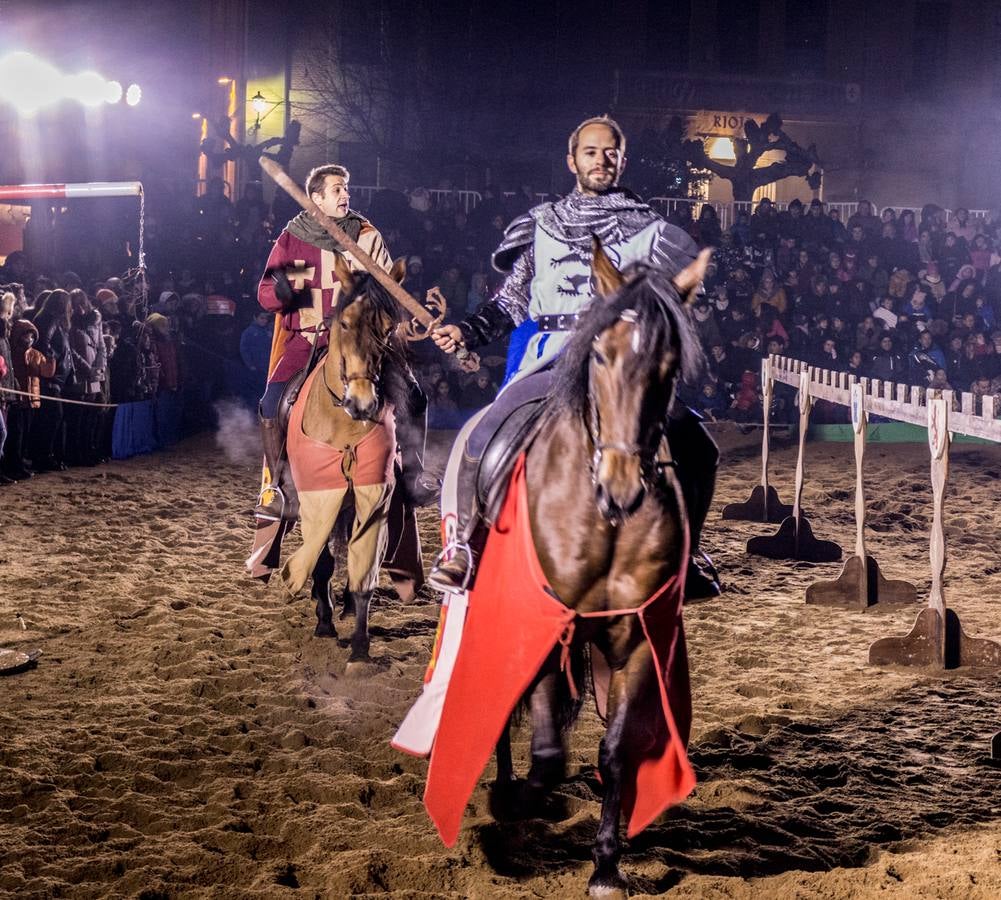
[{"x": 319, "y": 467}]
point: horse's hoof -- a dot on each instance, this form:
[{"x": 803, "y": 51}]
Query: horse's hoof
[
  {"x": 608, "y": 887},
  {"x": 359, "y": 668}
]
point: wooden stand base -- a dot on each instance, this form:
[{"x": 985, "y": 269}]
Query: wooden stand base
[
  {"x": 794, "y": 541},
  {"x": 851, "y": 591},
  {"x": 761, "y": 506},
  {"x": 935, "y": 642}
]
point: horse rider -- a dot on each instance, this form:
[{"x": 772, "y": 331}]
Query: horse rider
[
  {"x": 546, "y": 255},
  {"x": 300, "y": 285}
]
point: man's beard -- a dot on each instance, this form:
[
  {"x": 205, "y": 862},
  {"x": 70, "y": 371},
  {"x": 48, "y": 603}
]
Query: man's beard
[{"x": 599, "y": 187}]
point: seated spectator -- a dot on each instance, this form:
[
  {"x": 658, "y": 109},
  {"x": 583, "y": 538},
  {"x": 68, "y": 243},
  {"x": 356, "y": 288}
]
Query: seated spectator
[
  {"x": 710, "y": 402},
  {"x": 962, "y": 226},
  {"x": 924, "y": 359},
  {"x": 868, "y": 333},
  {"x": 255, "y": 343},
  {"x": 887, "y": 364},
  {"x": 885, "y": 313},
  {"x": 769, "y": 292},
  {"x": 740, "y": 288},
  {"x": 939, "y": 381},
  {"x": 746, "y": 405},
  {"x": 705, "y": 323},
  {"x": 480, "y": 392}
]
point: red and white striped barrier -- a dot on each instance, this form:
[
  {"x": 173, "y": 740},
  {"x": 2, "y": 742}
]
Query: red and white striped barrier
[{"x": 12, "y": 193}]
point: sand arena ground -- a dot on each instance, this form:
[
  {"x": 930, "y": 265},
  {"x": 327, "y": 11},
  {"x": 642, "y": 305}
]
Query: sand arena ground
[{"x": 185, "y": 736}]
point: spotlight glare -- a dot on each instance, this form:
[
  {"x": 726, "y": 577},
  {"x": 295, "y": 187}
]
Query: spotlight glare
[
  {"x": 196, "y": 115},
  {"x": 224, "y": 79},
  {"x": 88, "y": 88},
  {"x": 28, "y": 83},
  {"x": 133, "y": 95},
  {"x": 113, "y": 92},
  {"x": 258, "y": 103}
]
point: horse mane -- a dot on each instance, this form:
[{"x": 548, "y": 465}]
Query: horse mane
[
  {"x": 396, "y": 374},
  {"x": 661, "y": 318}
]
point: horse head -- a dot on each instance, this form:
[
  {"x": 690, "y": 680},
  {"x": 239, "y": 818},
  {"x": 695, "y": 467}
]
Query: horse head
[
  {"x": 641, "y": 341},
  {"x": 361, "y": 333}
]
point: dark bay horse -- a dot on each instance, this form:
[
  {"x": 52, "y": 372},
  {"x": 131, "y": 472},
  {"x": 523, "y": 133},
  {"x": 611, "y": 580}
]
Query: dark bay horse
[
  {"x": 608, "y": 520},
  {"x": 342, "y": 445}
]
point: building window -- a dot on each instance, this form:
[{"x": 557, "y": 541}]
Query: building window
[
  {"x": 931, "y": 44},
  {"x": 737, "y": 26},
  {"x": 668, "y": 26},
  {"x": 806, "y": 38}
]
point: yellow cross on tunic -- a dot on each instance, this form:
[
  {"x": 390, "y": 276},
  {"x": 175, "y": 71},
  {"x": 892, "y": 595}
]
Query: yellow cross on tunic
[{"x": 299, "y": 275}]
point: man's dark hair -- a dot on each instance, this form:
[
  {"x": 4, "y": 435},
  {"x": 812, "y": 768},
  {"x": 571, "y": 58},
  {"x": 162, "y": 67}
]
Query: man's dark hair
[
  {"x": 317, "y": 179},
  {"x": 608, "y": 122}
]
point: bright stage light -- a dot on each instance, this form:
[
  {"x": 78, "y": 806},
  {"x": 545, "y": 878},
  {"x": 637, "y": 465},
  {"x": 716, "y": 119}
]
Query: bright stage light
[
  {"x": 29, "y": 83},
  {"x": 88, "y": 88},
  {"x": 133, "y": 95}
]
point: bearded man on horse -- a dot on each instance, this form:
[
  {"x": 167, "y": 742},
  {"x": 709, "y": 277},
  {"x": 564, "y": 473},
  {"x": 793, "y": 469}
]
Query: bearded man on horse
[
  {"x": 301, "y": 285},
  {"x": 547, "y": 255}
]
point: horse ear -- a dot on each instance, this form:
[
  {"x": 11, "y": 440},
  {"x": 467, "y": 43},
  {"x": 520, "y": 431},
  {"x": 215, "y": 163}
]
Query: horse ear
[
  {"x": 686, "y": 282},
  {"x": 343, "y": 272},
  {"x": 399, "y": 270},
  {"x": 607, "y": 278}
]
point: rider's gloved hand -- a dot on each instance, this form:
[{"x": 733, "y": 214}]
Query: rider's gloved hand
[{"x": 283, "y": 288}]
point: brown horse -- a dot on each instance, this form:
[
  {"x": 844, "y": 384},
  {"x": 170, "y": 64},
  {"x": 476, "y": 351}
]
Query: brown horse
[
  {"x": 608, "y": 519},
  {"x": 341, "y": 440}
]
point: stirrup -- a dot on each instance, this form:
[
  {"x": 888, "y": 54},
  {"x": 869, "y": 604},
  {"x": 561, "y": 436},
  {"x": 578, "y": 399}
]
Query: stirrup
[
  {"x": 269, "y": 517},
  {"x": 440, "y": 558}
]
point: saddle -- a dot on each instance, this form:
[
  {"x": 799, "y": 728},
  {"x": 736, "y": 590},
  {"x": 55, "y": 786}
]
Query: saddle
[
  {"x": 291, "y": 393},
  {"x": 500, "y": 455}
]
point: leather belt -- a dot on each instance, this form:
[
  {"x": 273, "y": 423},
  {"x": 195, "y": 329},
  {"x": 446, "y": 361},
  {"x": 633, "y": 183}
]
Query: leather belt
[{"x": 560, "y": 322}]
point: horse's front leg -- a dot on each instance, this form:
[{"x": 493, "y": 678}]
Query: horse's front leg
[
  {"x": 366, "y": 549},
  {"x": 632, "y": 700},
  {"x": 548, "y": 767},
  {"x": 323, "y": 571},
  {"x": 607, "y": 880}
]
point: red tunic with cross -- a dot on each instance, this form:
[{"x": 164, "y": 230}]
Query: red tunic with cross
[{"x": 310, "y": 271}]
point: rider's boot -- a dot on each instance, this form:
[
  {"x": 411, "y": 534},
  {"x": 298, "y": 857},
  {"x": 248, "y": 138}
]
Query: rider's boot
[
  {"x": 274, "y": 446},
  {"x": 697, "y": 457},
  {"x": 456, "y": 572},
  {"x": 418, "y": 487}
]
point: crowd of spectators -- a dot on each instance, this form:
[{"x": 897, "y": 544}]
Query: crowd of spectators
[
  {"x": 85, "y": 335},
  {"x": 912, "y": 298}
]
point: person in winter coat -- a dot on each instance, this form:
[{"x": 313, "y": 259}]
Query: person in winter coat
[
  {"x": 53, "y": 321},
  {"x": 30, "y": 367},
  {"x": 6, "y": 369},
  {"x": 89, "y": 362}
]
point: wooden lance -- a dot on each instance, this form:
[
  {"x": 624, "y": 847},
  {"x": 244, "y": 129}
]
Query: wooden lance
[{"x": 410, "y": 303}]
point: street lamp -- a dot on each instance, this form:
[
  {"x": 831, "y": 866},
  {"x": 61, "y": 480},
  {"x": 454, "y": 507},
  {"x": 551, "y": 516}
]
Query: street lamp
[{"x": 259, "y": 104}]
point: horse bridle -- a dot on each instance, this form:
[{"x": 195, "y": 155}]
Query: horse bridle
[
  {"x": 370, "y": 374},
  {"x": 646, "y": 449}
]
